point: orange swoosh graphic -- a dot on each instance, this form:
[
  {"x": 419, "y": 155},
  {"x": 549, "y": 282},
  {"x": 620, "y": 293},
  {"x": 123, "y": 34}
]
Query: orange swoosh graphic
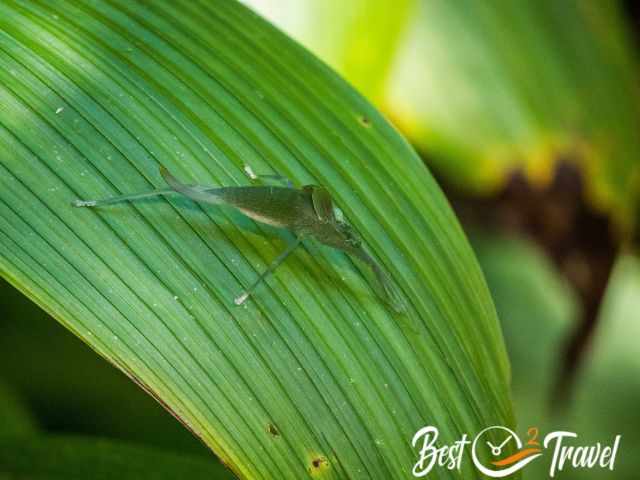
[{"x": 516, "y": 456}]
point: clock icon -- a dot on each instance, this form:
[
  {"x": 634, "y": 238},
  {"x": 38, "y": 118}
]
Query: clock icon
[
  {"x": 495, "y": 451},
  {"x": 505, "y": 466}
]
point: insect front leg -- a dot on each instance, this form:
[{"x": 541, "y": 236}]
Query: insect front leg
[
  {"x": 240, "y": 299},
  {"x": 267, "y": 178}
]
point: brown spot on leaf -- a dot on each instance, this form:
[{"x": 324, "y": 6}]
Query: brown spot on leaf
[
  {"x": 319, "y": 464},
  {"x": 364, "y": 121},
  {"x": 273, "y": 430}
]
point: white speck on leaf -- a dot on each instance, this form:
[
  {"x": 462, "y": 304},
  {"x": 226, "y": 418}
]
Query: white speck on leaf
[
  {"x": 59, "y": 110},
  {"x": 250, "y": 173},
  {"x": 240, "y": 300}
]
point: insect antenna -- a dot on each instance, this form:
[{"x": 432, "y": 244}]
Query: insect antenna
[
  {"x": 122, "y": 198},
  {"x": 197, "y": 192}
]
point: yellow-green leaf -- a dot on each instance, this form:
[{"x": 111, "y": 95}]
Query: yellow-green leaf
[
  {"x": 314, "y": 375},
  {"x": 490, "y": 87}
]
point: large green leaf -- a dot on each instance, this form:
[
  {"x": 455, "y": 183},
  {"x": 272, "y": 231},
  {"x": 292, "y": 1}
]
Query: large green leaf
[{"x": 314, "y": 375}]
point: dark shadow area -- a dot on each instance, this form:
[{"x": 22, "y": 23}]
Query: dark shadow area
[{"x": 70, "y": 389}]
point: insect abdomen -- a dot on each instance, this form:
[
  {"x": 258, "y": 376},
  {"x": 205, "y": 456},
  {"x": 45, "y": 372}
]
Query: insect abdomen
[{"x": 276, "y": 206}]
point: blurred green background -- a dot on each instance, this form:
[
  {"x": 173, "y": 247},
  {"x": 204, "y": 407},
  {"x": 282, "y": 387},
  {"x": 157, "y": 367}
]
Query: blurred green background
[{"x": 494, "y": 95}]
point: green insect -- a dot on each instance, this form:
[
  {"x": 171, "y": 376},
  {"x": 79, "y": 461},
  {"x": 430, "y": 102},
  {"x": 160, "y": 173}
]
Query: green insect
[{"x": 305, "y": 212}]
